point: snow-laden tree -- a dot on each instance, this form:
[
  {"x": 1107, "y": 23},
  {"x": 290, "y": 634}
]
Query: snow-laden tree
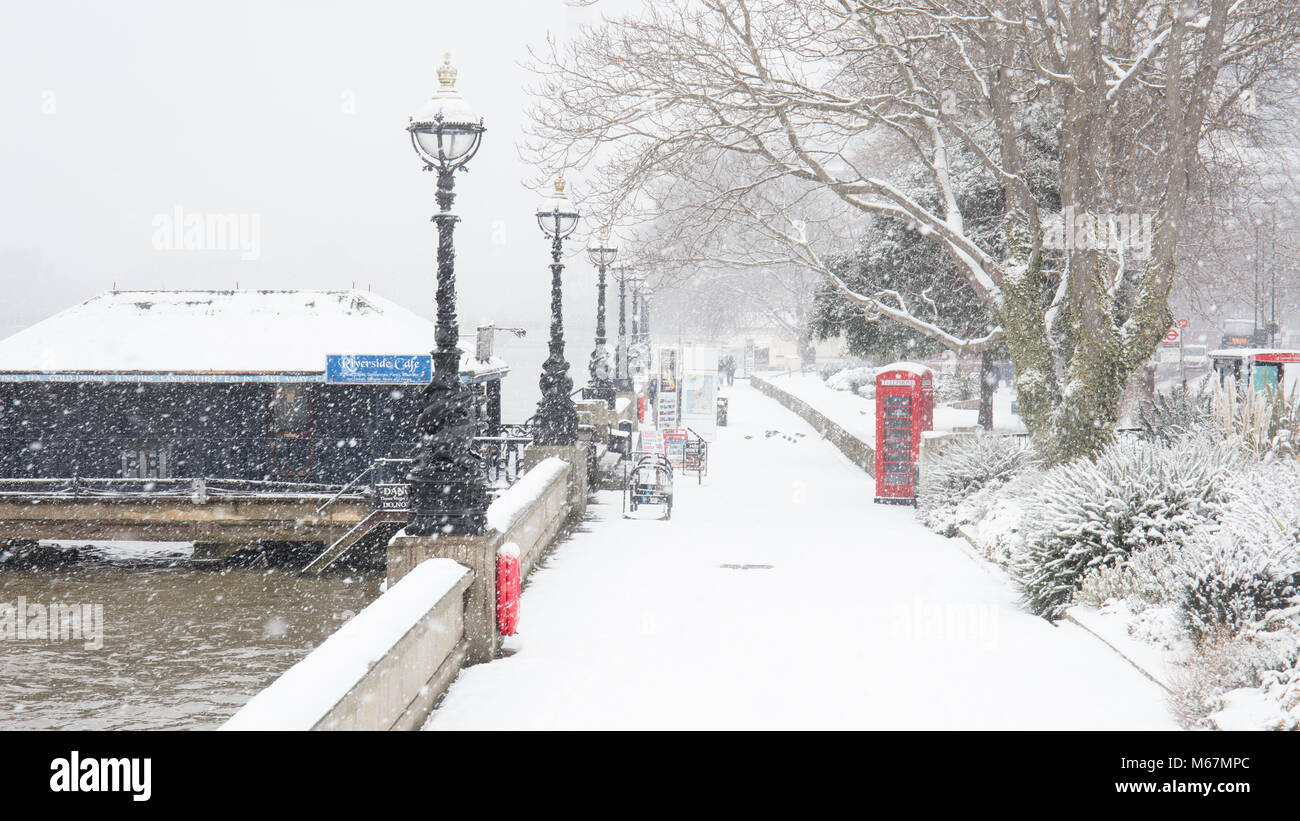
[
  {"x": 892, "y": 256},
  {"x": 839, "y": 95},
  {"x": 709, "y": 262}
]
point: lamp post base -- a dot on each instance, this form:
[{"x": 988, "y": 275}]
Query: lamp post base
[
  {"x": 604, "y": 392},
  {"x": 448, "y": 489}
]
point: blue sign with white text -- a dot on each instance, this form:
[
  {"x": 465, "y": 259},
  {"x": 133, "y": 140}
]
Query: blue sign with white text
[{"x": 377, "y": 368}]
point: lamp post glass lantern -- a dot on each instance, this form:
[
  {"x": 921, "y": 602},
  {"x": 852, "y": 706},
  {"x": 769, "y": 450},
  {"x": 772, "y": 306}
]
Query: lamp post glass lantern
[
  {"x": 448, "y": 487},
  {"x": 601, "y": 385},
  {"x": 557, "y": 417}
]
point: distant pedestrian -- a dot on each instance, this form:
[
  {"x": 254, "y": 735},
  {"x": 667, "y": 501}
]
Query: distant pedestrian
[{"x": 729, "y": 366}]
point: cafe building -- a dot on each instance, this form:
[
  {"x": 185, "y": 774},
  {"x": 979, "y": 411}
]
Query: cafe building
[{"x": 270, "y": 385}]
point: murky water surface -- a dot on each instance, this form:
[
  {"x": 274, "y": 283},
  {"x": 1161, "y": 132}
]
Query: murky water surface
[{"x": 183, "y": 647}]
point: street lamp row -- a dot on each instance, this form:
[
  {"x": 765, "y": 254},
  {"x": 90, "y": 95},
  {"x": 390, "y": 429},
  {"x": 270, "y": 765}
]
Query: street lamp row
[{"x": 448, "y": 490}]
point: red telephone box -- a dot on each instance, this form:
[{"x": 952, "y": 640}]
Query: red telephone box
[{"x": 904, "y": 409}]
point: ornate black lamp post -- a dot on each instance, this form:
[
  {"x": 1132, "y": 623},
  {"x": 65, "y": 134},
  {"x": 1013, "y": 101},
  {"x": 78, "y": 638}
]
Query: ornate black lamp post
[
  {"x": 622, "y": 376},
  {"x": 636, "y": 309},
  {"x": 601, "y": 385},
  {"x": 637, "y": 353},
  {"x": 448, "y": 491},
  {"x": 557, "y": 418},
  {"x": 645, "y": 316}
]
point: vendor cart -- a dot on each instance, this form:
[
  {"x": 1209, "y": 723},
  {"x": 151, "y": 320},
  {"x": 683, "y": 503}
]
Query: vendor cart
[{"x": 649, "y": 481}]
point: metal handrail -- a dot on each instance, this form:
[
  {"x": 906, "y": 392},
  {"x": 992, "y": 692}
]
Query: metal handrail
[{"x": 330, "y": 503}]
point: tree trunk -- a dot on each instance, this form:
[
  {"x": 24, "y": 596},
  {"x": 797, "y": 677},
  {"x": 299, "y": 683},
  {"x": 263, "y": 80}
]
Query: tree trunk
[
  {"x": 988, "y": 382},
  {"x": 807, "y": 350}
]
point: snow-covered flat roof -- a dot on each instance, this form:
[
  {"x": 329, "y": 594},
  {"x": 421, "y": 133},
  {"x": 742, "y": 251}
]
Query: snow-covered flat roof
[
  {"x": 1242, "y": 353},
  {"x": 222, "y": 332}
]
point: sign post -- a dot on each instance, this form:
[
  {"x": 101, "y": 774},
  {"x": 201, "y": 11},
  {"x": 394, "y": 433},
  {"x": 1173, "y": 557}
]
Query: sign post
[{"x": 1182, "y": 351}]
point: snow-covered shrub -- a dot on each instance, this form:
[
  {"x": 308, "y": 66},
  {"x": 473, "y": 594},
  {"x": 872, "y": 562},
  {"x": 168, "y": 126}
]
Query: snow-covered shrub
[
  {"x": 966, "y": 464},
  {"x": 956, "y": 386},
  {"x": 1222, "y": 663},
  {"x": 850, "y": 379},
  {"x": 1177, "y": 414},
  {"x": 994, "y": 518},
  {"x": 1090, "y": 514},
  {"x": 1235, "y": 571},
  {"x": 1225, "y": 663},
  {"x": 828, "y": 369},
  {"x": 1233, "y": 585}
]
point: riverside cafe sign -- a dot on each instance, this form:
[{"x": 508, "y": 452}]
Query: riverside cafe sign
[{"x": 377, "y": 369}]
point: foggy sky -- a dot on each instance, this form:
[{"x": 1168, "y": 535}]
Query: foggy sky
[{"x": 292, "y": 111}]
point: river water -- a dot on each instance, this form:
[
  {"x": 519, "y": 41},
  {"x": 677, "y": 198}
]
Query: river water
[{"x": 182, "y": 647}]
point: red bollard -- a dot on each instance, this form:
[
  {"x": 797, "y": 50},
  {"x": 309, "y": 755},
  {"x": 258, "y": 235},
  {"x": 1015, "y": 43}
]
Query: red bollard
[{"x": 508, "y": 588}]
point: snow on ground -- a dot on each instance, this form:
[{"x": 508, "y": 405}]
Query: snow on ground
[
  {"x": 1250, "y": 708},
  {"x": 858, "y": 415},
  {"x": 1112, "y": 624},
  {"x": 779, "y": 596}
]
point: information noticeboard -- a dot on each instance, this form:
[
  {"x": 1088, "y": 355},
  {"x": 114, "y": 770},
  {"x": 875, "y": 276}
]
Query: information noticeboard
[
  {"x": 666, "y": 416},
  {"x": 668, "y": 410},
  {"x": 699, "y": 395},
  {"x": 675, "y": 446}
]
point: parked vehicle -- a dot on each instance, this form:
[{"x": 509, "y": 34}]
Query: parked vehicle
[
  {"x": 1242, "y": 333},
  {"x": 1259, "y": 368}
]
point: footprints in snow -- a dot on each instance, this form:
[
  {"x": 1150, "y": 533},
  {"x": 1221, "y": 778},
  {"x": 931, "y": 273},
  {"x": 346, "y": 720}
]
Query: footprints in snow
[{"x": 769, "y": 434}]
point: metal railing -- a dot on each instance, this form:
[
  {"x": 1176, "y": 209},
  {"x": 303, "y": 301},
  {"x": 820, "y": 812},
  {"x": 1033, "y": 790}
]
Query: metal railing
[
  {"x": 501, "y": 455},
  {"x": 77, "y": 487},
  {"x": 328, "y": 507}
]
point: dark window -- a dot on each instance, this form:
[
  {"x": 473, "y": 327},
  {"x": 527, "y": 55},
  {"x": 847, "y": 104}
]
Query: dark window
[
  {"x": 149, "y": 462},
  {"x": 291, "y": 410}
]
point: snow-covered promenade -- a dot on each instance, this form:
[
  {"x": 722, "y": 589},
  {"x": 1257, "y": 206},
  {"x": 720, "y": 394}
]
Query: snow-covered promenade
[{"x": 779, "y": 596}]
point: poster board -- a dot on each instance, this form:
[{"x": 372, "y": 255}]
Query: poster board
[
  {"x": 699, "y": 396},
  {"x": 696, "y": 457},
  {"x": 652, "y": 441},
  {"x": 667, "y": 409},
  {"x": 675, "y": 446}
]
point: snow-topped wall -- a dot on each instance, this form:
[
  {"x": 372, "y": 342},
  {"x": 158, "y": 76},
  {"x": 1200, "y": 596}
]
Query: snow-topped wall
[
  {"x": 382, "y": 670},
  {"x": 385, "y": 668}
]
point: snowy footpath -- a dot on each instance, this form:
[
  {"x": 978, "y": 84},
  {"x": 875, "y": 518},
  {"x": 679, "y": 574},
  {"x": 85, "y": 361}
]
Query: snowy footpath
[{"x": 780, "y": 596}]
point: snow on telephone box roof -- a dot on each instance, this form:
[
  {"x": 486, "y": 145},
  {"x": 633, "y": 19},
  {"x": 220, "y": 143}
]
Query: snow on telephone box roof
[
  {"x": 257, "y": 335},
  {"x": 911, "y": 367}
]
